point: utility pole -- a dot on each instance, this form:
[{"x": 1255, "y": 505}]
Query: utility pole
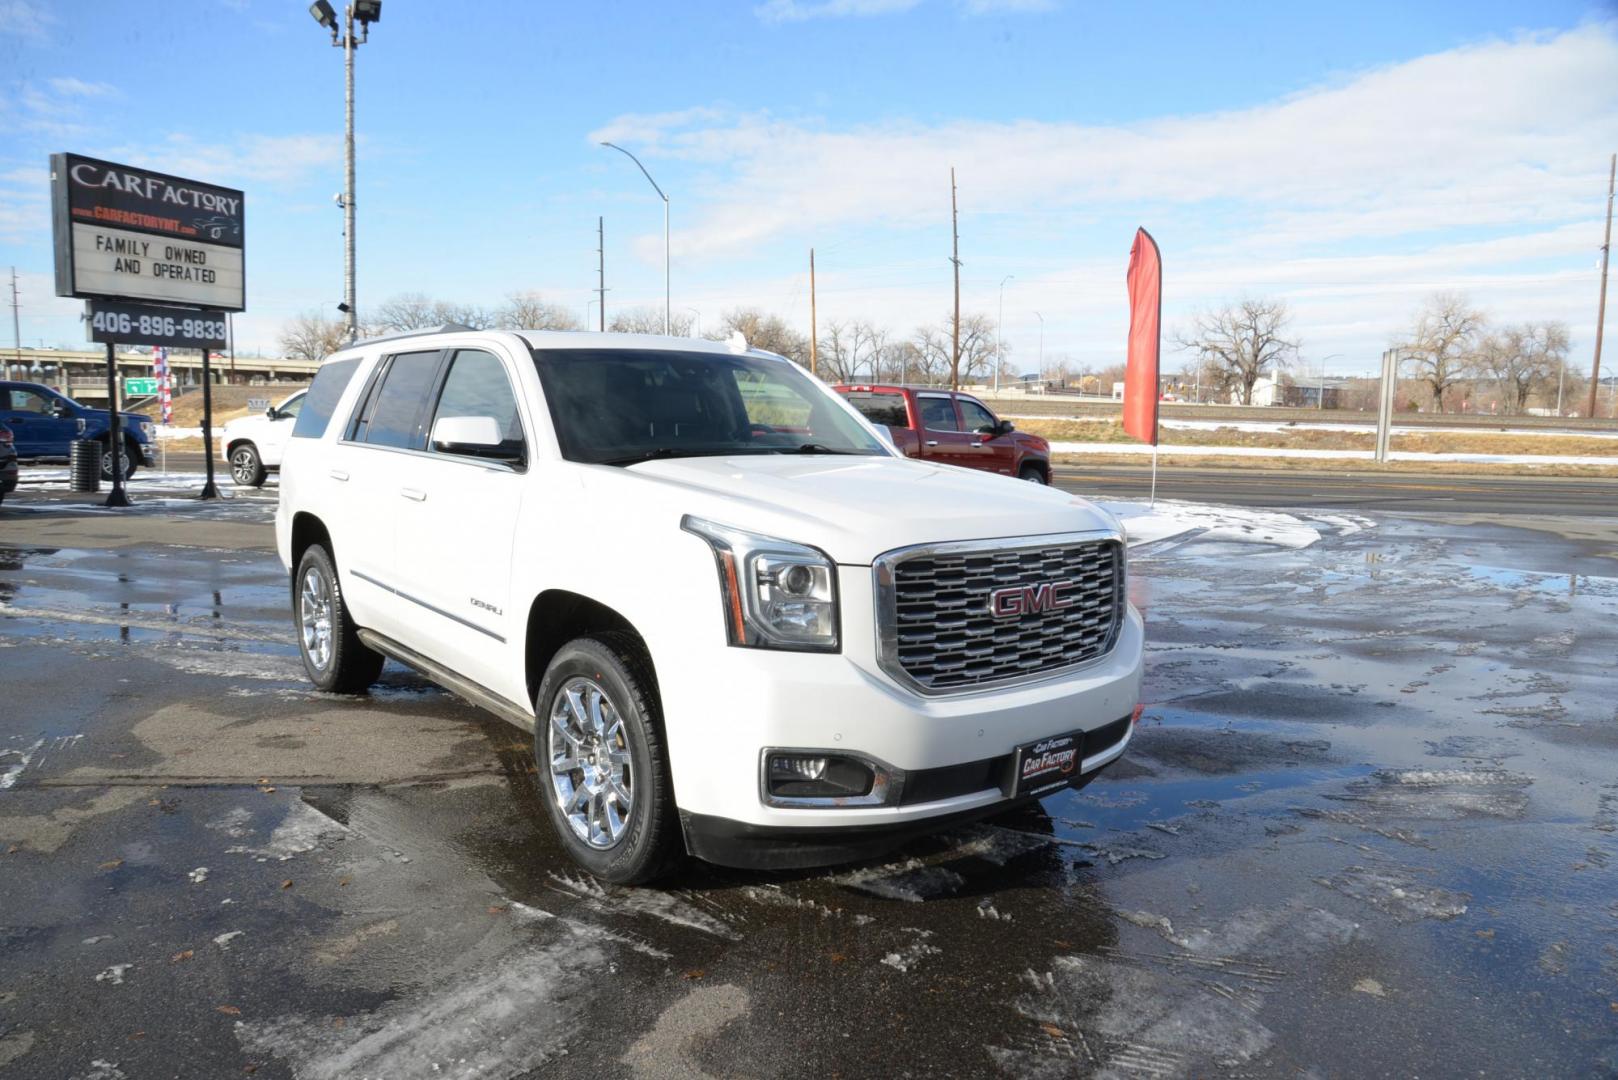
[
  {"x": 955, "y": 257},
  {"x": 1601, "y": 309},
  {"x": 997, "y": 321},
  {"x": 16, "y": 332},
  {"x": 601, "y": 272},
  {"x": 814, "y": 324}
]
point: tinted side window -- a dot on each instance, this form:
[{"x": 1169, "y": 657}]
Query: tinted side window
[
  {"x": 975, "y": 417},
  {"x": 293, "y": 407},
  {"x": 398, "y": 417},
  {"x": 477, "y": 386},
  {"x": 330, "y": 382},
  {"x": 29, "y": 402},
  {"x": 886, "y": 409},
  {"x": 937, "y": 413}
]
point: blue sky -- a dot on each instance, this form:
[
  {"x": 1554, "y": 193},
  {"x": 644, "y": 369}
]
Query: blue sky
[{"x": 1351, "y": 159}]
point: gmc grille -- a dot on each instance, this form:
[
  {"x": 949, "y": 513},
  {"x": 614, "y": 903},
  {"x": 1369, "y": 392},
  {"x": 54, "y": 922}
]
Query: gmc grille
[{"x": 937, "y": 625}]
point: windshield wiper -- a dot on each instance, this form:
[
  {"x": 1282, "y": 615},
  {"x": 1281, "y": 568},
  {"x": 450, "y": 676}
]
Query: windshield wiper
[{"x": 818, "y": 448}]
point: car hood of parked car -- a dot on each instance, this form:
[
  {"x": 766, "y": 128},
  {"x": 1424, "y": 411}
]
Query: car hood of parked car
[{"x": 856, "y": 508}]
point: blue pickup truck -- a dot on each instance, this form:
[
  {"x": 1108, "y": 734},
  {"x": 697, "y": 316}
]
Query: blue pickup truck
[{"x": 44, "y": 423}]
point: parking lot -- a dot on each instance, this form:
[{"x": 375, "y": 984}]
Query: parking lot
[{"x": 1368, "y": 826}]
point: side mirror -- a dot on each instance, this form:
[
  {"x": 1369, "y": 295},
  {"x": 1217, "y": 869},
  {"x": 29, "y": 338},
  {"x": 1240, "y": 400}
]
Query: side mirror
[
  {"x": 1004, "y": 427},
  {"x": 271, "y": 413},
  {"x": 473, "y": 436},
  {"x": 60, "y": 410}
]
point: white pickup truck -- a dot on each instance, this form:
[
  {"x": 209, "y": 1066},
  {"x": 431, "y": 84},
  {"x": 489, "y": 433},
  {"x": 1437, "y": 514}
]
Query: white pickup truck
[{"x": 738, "y": 623}]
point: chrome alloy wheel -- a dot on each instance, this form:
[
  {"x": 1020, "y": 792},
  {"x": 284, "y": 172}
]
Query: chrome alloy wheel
[
  {"x": 315, "y": 617},
  {"x": 590, "y": 765},
  {"x": 243, "y": 467}
]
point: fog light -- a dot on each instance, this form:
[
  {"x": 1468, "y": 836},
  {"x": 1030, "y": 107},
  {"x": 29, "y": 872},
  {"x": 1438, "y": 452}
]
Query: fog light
[
  {"x": 788, "y": 767},
  {"x": 789, "y": 777}
]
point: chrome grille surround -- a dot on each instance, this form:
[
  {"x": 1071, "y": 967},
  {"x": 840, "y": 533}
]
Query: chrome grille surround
[{"x": 934, "y": 630}]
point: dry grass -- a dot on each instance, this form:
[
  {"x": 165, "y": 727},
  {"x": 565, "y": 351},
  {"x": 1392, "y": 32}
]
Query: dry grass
[
  {"x": 1281, "y": 464},
  {"x": 1442, "y": 442}
]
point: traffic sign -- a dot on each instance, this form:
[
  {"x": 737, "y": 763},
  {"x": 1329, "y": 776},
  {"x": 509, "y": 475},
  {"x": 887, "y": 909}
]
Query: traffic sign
[{"x": 140, "y": 387}]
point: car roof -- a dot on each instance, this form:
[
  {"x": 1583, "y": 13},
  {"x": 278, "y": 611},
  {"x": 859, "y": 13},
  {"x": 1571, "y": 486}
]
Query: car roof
[{"x": 569, "y": 339}]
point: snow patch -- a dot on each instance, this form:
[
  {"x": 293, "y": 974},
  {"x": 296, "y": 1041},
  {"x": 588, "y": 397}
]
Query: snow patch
[
  {"x": 912, "y": 954},
  {"x": 302, "y": 830},
  {"x": 1145, "y": 524},
  {"x": 114, "y": 975}
]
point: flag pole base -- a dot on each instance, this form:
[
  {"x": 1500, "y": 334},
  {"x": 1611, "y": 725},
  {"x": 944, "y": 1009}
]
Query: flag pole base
[{"x": 1153, "y": 502}]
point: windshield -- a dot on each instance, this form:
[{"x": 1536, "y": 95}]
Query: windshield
[{"x": 620, "y": 406}]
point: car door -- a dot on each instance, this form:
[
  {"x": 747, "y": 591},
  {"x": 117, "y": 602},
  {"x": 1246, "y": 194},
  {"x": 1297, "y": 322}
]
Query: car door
[
  {"x": 274, "y": 433},
  {"x": 457, "y": 523},
  {"x": 942, "y": 439},
  {"x": 990, "y": 452},
  {"x": 372, "y": 461},
  {"x": 38, "y": 430}
]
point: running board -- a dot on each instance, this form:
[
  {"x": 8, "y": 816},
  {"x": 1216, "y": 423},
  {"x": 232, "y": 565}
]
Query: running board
[{"x": 458, "y": 685}]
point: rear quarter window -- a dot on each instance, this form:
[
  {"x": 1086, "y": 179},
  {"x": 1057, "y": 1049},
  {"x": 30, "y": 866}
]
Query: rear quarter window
[
  {"x": 321, "y": 400},
  {"x": 878, "y": 408}
]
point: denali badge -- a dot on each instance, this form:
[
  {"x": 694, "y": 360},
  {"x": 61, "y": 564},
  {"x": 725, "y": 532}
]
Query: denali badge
[{"x": 1020, "y": 600}]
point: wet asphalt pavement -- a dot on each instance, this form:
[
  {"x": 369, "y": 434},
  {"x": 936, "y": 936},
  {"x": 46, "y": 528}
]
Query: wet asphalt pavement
[{"x": 1368, "y": 827}]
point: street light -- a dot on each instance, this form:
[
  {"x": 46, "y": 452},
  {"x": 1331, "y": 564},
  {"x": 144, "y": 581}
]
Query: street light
[
  {"x": 1041, "y": 319},
  {"x": 698, "y": 314},
  {"x": 997, "y": 322},
  {"x": 364, "y": 12},
  {"x": 1320, "y": 405},
  {"x": 665, "y": 198}
]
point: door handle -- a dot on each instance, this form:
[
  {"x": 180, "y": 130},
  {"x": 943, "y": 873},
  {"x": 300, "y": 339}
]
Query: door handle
[
  {"x": 413, "y": 493},
  {"x": 977, "y": 444},
  {"x": 338, "y": 474},
  {"x": 932, "y": 442}
]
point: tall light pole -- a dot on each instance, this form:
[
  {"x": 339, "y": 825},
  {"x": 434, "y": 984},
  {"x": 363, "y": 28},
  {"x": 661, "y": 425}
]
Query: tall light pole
[
  {"x": 365, "y": 12},
  {"x": 698, "y": 314},
  {"x": 1041, "y": 319},
  {"x": 667, "y": 311},
  {"x": 1320, "y": 405},
  {"x": 998, "y": 320}
]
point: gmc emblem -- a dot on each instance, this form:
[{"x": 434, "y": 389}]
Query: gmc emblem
[{"x": 1020, "y": 600}]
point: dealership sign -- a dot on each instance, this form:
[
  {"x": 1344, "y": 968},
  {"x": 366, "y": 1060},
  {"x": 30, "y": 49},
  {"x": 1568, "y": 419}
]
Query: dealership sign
[{"x": 124, "y": 233}]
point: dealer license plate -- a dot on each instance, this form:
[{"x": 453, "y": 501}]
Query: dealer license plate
[{"x": 1047, "y": 765}]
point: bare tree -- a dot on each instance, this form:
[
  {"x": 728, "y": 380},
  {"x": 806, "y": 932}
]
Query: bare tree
[
  {"x": 416, "y": 311},
  {"x": 312, "y": 337},
  {"x": 530, "y": 311},
  {"x": 932, "y": 354},
  {"x": 769, "y": 332},
  {"x": 649, "y": 320},
  {"x": 1523, "y": 358},
  {"x": 1443, "y": 343},
  {"x": 1243, "y": 341}
]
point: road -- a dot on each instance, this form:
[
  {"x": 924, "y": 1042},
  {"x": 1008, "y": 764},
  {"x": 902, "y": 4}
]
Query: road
[
  {"x": 1513, "y": 496},
  {"x": 1368, "y": 826}
]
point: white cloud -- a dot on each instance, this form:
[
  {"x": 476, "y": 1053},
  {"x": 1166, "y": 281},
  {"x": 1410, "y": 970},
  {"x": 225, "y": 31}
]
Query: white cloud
[
  {"x": 278, "y": 160},
  {"x": 800, "y": 10},
  {"x": 72, "y": 87},
  {"x": 25, "y": 19},
  {"x": 1419, "y": 163}
]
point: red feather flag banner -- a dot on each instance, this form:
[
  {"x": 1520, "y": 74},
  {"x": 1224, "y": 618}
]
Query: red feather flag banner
[{"x": 1145, "y": 280}]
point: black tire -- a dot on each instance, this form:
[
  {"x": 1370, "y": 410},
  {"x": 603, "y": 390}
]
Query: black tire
[
  {"x": 350, "y": 667},
  {"x": 1033, "y": 473},
  {"x": 130, "y": 456},
  {"x": 246, "y": 467},
  {"x": 650, "y": 843}
]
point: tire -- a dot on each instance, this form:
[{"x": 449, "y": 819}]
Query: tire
[
  {"x": 629, "y": 756},
  {"x": 130, "y": 456},
  {"x": 328, "y": 641},
  {"x": 246, "y": 467},
  {"x": 1032, "y": 473}
]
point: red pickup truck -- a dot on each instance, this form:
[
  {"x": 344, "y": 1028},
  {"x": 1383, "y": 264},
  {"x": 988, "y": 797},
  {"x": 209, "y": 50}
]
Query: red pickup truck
[{"x": 952, "y": 429}]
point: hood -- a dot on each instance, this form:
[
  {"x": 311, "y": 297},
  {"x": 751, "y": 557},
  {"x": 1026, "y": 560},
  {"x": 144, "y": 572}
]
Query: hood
[{"x": 856, "y": 508}]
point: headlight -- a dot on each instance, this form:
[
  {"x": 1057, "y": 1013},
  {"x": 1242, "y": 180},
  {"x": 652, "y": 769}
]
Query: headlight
[
  {"x": 778, "y": 595},
  {"x": 146, "y": 429}
]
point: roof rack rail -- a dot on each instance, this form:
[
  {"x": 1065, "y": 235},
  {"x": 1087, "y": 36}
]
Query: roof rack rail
[{"x": 444, "y": 328}]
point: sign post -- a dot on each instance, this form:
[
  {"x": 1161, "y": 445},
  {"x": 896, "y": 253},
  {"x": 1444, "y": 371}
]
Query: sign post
[{"x": 161, "y": 260}]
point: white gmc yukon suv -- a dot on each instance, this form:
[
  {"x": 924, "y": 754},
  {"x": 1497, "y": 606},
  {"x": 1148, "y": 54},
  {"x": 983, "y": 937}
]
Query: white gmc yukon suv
[{"x": 737, "y": 622}]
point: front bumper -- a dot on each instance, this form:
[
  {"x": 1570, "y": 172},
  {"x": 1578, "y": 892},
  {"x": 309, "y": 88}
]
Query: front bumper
[
  {"x": 724, "y": 706},
  {"x": 724, "y": 842}
]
